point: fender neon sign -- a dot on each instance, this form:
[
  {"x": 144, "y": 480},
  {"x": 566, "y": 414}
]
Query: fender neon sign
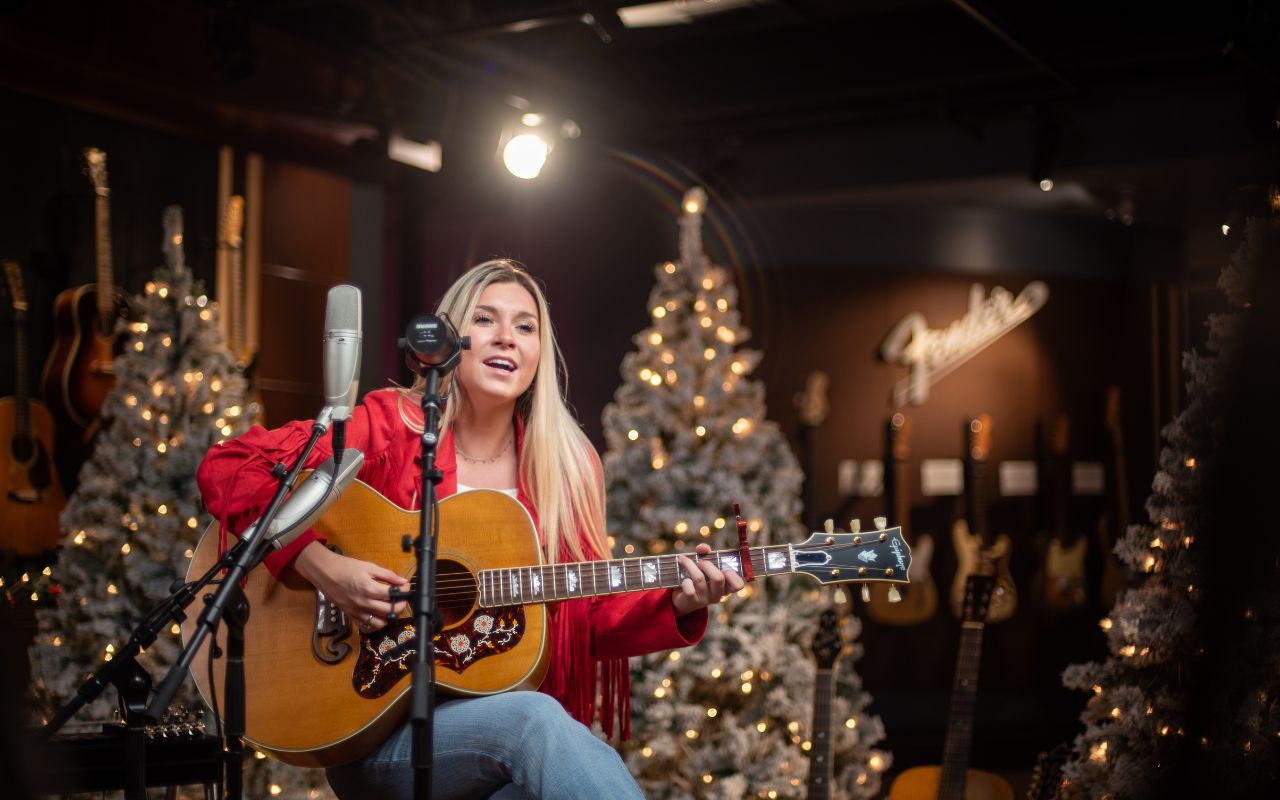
[{"x": 933, "y": 354}]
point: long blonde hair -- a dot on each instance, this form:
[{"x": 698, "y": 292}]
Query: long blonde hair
[{"x": 559, "y": 469}]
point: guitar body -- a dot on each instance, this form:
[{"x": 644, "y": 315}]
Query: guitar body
[
  {"x": 78, "y": 375},
  {"x": 305, "y": 710},
  {"x": 970, "y": 555},
  {"x": 922, "y": 783},
  {"x": 1064, "y": 577},
  {"x": 31, "y": 495},
  {"x": 919, "y": 602}
]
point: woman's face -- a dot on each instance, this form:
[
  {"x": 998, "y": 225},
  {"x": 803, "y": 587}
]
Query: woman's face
[{"x": 506, "y": 344}]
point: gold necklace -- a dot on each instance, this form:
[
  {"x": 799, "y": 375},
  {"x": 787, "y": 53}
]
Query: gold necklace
[{"x": 490, "y": 460}]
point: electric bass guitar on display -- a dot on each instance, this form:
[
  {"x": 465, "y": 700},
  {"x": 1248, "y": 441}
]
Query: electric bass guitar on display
[
  {"x": 317, "y": 700},
  {"x": 970, "y": 533},
  {"x": 32, "y": 495},
  {"x": 953, "y": 780},
  {"x": 1060, "y": 581},
  {"x": 78, "y": 375},
  {"x": 919, "y": 602}
]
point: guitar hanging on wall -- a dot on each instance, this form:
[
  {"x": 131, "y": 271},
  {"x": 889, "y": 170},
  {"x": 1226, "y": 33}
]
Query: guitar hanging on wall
[
  {"x": 970, "y": 533},
  {"x": 827, "y": 644},
  {"x": 32, "y": 495},
  {"x": 310, "y": 704},
  {"x": 1060, "y": 581},
  {"x": 78, "y": 375},
  {"x": 237, "y": 305},
  {"x": 953, "y": 780},
  {"x": 1114, "y": 523},
  {"x": 920, "y": 601}
]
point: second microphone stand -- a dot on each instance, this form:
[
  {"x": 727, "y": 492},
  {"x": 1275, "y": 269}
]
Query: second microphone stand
[{"x": 422, "y": 595}]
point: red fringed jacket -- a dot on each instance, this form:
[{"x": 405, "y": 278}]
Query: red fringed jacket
[{"x": 591, "y": 638}]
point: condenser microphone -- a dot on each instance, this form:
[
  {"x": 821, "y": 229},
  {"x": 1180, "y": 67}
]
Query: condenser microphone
[
  {"x": 310, "y": 500},
  {"x": 342, "y": 341},
  {"x": 432, "y": 343}
]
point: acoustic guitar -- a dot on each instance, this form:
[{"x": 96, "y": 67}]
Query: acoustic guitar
[
  {"x": 32, "y": 494},
  {"x": 827, "y": 644},
  {"x": 1060, "y": 581},
  {"x": 969, "y": 534},
  {"x": 953, "y": 780},
  {"x": 919, "y": 602},
  {"x": 78, "y": 374},
  {"x": 315, "y": 699}
]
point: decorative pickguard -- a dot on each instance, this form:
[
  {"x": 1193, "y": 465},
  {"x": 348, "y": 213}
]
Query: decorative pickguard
[{"x": 386, "y": 656}]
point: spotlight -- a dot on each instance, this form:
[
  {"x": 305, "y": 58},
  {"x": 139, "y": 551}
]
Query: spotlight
[
  {"x": 1226, "y": 229},
  {"x": 525, "y": 154},
  {"x": 1046, "y": 184}
]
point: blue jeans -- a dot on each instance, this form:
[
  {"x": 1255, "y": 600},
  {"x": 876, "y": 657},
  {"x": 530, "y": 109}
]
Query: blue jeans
[{"x": 510, "y": 746}]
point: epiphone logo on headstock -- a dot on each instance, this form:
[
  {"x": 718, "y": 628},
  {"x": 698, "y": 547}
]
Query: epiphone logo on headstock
[
  {"x": 900, "y": 557},
  {"x": 933, "y": 354}
]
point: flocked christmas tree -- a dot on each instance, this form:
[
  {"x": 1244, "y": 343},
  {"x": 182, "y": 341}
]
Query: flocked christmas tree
[
  {"x": 687, "y": 437},
  {"x": 1188, "y": 700},
  {"x": 131, "y": 525}
]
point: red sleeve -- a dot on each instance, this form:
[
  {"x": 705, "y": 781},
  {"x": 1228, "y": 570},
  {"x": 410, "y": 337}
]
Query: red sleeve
[
  {"x": 235, "y": 476},
  {"x": 634, "y": 624}
]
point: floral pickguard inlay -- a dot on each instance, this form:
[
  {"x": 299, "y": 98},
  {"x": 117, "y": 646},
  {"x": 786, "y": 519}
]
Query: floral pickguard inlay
[{"x": 386, "y": 656}]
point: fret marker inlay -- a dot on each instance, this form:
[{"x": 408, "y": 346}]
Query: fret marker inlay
[
  {"x": 615, "y": 576},
  {"x": 650, "y": 571}
]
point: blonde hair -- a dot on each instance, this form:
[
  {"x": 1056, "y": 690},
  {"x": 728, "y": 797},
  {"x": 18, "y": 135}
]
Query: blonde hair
[{"x": 559, "y": 469}]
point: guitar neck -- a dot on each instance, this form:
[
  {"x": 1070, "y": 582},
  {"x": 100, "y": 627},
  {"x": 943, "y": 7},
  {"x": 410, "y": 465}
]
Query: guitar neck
[
  {"x": 21, "y": 391},
  {"x": 821, "y": 770},
  {"x": 551, "y": 582},
  {"x": 964, "y": 693},
  {"x": 102, "y": 228},
  {"x": 976, "y": 497}
]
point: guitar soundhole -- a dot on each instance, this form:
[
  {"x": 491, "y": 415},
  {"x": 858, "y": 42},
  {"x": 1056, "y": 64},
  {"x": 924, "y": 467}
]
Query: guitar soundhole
[{"x": 456, "y": 591}]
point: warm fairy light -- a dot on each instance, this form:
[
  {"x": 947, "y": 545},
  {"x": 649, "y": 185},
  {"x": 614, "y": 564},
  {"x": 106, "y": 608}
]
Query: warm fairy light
[
  {"x": 706, "y": 777},
  {"x": 668, "y": 357},
  {"x": 161, "y": 447},
  {"x": 711, "y": 712},
  {"x": 162, "y": 509},
  {"x": 57, "y": 641},
  {"x": 1156, "y": 542},
  {"x": 746, "y": 688},
  {"x": 26, "y": 577},
  {"x": 137, "y": 441},
  {"x": 793, "y": 726},
  {"x": 79, "y": 537},
  {"x": 137, "y": 346},
  {"x": 206, "y": 315},
  {"x": 700, "y": 305},
  {"x": 157, "y": 389},
  {"x": 762, "y": 726},
  {"x": 726, "y": 335},
  {"x": 672, "y": 376},
  {"x": 876, "y": 762},
  {"x": 705, "y": 322},
  {"x": 1187, "y": 540},
  {"x": 628, "y": 549},
  {"x": 275, "y": 789},
  {"x": 1105, "y": 623},
  {"x": 202, "y": 301},
  {"x": 47, "y": 571},
  {"x": 681, "y": 527},
  {"x": 192, "y": 522},
  {"x": 716, "y": 673},
  {"x": 35, "y": 597},
  {"x": 691, "y": 734},
  {"x": 207, "y": 407},
  {"x": 1149, "y": 564},
  {"x": 166, "y": 341},
  {"x": 1191, "y": 463},
  {"x": 1128, "y": 650},
  {"x": 719, "y": 523},
  {"x": 125, "y": 548},
  {"x": 806, "y": 745},
  {"x": 699, "y": 401},
  {"x": 164, "y": 291},
  {"x": 655, "y": 379},
  {"x": 1115, "y": 713},
  {"x": 704, "y": 530},
  {"x": 1150, "y": 709},
  {"x": 658, "y": 462},
  {"x": 188, "y": 553},
  {"x": 755, "y": 525},
  {"x": 226, "y": 430},
  {"x": 111, "y": 589},
  {"x": 748, "y": 675},
  {"x": 645, "y": 374},
  {"x": 700, "y": 431},
  {"x": 146, "y": 414},
  {"x": 234, "y": 411},
  {"x": 655, "y": 338},
  {"x": 666, "y": 682},
  {"x": 659, "y": 312},
  {"x": 736, "y": 367},
  {"x": 709, "y": 354},
  {"x": 215, "y": 385},
  {"x": 708, "y": 284},
  {"x": 111, "y": 648},
  {"x": 669, "y": 268},
  {"x": 1099, "y": 752},
  {"x": 633, "y": 434},
  {"x": 851, "y": 723},
  {"x": 131, "y": 400},
  {"x": 674, "y": 655},
  {"x": 742, "y": 426},
  {"x": 1097, "y": 688},
  {"x": 219, "y": 422},
  {"x": 646, "y": 751}
]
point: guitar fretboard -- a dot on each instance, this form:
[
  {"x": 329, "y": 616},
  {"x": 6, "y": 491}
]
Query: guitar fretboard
[
  {"x": 549, "y": 582},
  {"x": 964, "y": 693},
  {"x": 106, "y": 293},
  {"x": 820, "y": 767}
]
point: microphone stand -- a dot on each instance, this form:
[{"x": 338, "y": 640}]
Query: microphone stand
[
  {"x": 229, "y": 601},
  {"x": 426, "y": 613}
]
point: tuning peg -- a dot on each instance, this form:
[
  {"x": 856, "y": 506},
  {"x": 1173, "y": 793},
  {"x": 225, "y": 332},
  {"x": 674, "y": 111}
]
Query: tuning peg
[
  {"x": 894, "y": 595},
  {"x": 855, "y": 525},
  {"x": 881, "y": 523},
  {"x": 829, "y": 526},
  {"x": 866, "y": 593}
]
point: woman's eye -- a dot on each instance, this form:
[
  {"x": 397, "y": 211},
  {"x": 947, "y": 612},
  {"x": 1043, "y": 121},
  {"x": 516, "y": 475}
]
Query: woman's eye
[
  {"x": 481, "y": 318},
  {"x": 527, "y": 327}
]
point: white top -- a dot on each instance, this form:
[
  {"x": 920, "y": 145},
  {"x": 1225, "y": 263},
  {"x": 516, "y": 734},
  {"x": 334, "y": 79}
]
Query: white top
[{"x": 464, "y": 488}]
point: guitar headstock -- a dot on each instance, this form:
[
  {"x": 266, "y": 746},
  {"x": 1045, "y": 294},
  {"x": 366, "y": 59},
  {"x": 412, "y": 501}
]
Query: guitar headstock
[
  {"x": 174, "y": 255},
  {"x": 17, "y": 295},
  {"x": 827, "y": 642},
  {"x": 833, "y": 557},
  {"x": 233, "y": 222},
  {"x": 900, "y": 430},
  {"x": 95, "y": 166},
  {"x": 980, "y": 437},
  {"x": 977, "y": 596}
]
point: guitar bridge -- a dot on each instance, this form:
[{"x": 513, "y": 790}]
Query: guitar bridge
[{"x": 331, "y": 628}]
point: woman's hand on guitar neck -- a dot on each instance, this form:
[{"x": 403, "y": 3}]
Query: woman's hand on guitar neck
[
  {"x": 704, "y": 584},
  {"x": 359, "y": 588}
]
